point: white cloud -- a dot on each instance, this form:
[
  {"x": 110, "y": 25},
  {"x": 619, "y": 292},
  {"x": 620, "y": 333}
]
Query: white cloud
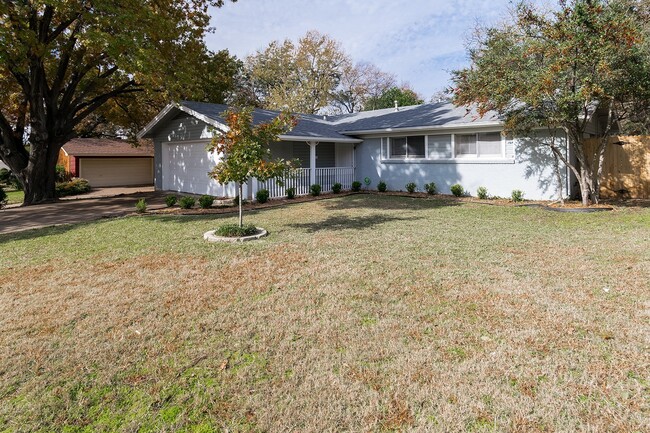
[{"x": 418, "y": 40}]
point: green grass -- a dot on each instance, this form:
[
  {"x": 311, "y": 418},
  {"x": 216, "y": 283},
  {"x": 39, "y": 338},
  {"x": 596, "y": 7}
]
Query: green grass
[
  {"x": 360, "y": 313},
  {"x": 15, "y": 197}
]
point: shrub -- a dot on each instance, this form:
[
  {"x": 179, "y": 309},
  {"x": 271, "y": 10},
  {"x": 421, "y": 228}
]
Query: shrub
[
  {"x": 3, "y": 198},
  {"x": 206, "y": 201},
  {"x": 431, "y": 188},
  {"x": 457, "y": 190},
  {"x": 141, "y": 206},
  {"x": 291, "y": 193},
  {"x": 187, "y": 202},
  {"x": 315, "y": 189},
  {"x": 411, "y": 187},
  {"x": 62, "y": 175},
  {"x": 74, "y": 187},
  {"x": 262, "y": 196},
  {"x": 381, "y": 186},
  {"x": 5, "y": 176},
  {"x": 482, "y": 193},
  {"x": 517, "y": 195},
  {"x": 336, "y": 188},
  {"x": 356, "y": 186},
  {"x": 234, "y": 231},
  {"x": 171, "y": 200}
]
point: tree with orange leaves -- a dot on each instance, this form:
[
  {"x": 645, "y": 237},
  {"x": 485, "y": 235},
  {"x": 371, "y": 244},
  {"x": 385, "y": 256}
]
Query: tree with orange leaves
[{"x": 245, "y": 150}]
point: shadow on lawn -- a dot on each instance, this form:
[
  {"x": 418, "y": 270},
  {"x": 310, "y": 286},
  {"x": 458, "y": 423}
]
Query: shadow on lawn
[
  {"x": 340, "y": 222},
  {"x": 389, "y": 202}
]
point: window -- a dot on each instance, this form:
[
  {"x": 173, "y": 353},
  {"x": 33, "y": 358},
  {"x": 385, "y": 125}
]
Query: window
[
  {"x": 483, "y": 144},
  {"x": 407, "y": 147},
  {"x": 439, "y": 146},
  {"x": 489, "y": 144},
  {"x": 466, "y": 145}
]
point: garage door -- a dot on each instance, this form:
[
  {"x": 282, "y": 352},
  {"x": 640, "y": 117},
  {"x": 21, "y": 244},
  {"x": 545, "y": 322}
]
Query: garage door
[
  {"x": 102, "y": 172},
  {"x": 186, "y": 168}
]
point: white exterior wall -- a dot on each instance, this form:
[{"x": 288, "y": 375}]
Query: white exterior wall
[{"x": 531, "y": 171}]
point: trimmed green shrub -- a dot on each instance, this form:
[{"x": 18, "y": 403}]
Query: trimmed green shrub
[
  {"x": 315, "y": 189},
  {"x": 74, "y": 187},
  {"x": 291, "y": 193},
  {"x": 356, "y": 186},
  {"x": 206, "y": 201},
  {"x": 171, "y": 200},
  {"x": 411, "y": 187},
  {"x": 381, "y": 186},
  {"x": 482, "y": 193},
  {"x": 234, "y": 231},
  {"x": 431, "y": 188},
  {"x": 141, "y": 206},
  {"x": 187, "y": 202},
  {"x": 3, "y": 198},
  {"x": 517, "y": 195},
  {"x": 457, "y": 190},
  {"x": 336, "y": 188},
  {"x": 5, "y": 176},
  {"x": 262, "y": 196}
]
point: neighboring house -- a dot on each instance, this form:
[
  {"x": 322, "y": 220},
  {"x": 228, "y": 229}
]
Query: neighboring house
[
  {"x": 106, "y": 162},
  {"x": 437, "y": 142}
]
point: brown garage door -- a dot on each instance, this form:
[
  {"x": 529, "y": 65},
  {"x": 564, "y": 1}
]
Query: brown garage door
[{"x": 116, "y": 171}]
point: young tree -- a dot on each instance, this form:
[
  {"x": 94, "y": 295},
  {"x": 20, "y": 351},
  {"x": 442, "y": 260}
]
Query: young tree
[
  {"x": 563, "y": 69},
  {"x": 63, "y": 61},
  {"x": 245, "y": 150},
  {"x": 404, "y": 96}
]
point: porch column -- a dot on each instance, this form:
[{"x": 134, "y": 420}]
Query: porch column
[{"x": 312, "y": 161}]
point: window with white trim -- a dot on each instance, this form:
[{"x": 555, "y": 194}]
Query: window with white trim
[
  {"x": 406, "y": 147},
  {"x": 482, "y": 144}
]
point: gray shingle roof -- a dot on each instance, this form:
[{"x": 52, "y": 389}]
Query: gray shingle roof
[
  {"x": 346, "y": 126},
  {"x": 308, "y": 125},
  {"x": 415, "y": 116}
]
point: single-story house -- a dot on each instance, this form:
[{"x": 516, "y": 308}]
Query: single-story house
[
  {"x": 107, "y": 162},
  {"x": 437, "y": 142}
]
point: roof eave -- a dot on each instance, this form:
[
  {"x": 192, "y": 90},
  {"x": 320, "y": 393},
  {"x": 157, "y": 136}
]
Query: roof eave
[
  {"x": 424, "y": 128},
  {"x": 319, "y": 139},
  {"x": 147, "y": 131}
]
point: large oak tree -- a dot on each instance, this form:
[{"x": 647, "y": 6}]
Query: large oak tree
[
  {"x": 585, "y": 63},
  {"x": 68, "y": 67}
]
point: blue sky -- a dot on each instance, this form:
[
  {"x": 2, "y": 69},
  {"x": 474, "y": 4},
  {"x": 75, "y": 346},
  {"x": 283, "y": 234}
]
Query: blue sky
[{"x": 417, "y": 40}]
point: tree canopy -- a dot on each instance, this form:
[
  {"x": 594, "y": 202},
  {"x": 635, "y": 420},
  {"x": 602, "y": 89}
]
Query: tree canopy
[
  {"x": 69, "y": 66},
  {"x": 583, "y": 67},
  {"x": 403, "y": 95},
  {"x": 314, "y": 74}
]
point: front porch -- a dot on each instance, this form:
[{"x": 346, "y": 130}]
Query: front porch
[{"x": 324, "y": 163}]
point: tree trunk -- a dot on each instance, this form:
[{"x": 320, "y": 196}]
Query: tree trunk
[
  {"x": 241, "y": 216},
  {"x": 558, "y": 178},
  {"x": 39, "y": 177}
]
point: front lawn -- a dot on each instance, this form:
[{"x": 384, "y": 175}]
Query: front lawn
[
  {"x": 360, "y": 313},
  {"x": 15, "y": 197}
]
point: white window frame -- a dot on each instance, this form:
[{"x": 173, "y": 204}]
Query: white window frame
[
  {"x": 385, "y": 144},
  {"x": 406, "y": 156}
]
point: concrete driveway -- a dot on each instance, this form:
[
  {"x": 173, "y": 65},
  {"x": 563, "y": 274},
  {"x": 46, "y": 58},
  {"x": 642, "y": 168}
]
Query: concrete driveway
[{"x": 17, "y": 219}]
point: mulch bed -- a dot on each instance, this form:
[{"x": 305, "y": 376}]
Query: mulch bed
[{"x": 569, "y": 206}]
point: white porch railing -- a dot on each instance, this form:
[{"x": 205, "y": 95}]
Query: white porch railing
[
  {"x": 299, "y": 180},
  {"x": 326, "y": 177}
]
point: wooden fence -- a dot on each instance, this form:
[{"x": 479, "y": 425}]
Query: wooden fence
[{"x": 626, "y": 171}]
